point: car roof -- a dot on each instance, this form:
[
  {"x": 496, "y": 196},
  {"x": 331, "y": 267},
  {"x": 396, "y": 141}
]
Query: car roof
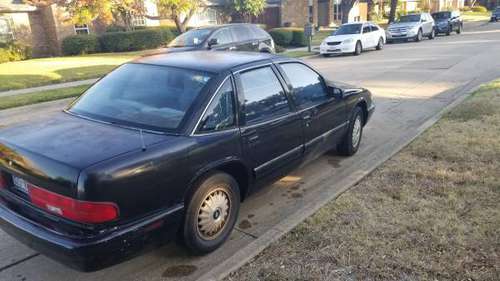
[
  {"x": 209, "y": 61},
  {"x": 214, "y": 27}
]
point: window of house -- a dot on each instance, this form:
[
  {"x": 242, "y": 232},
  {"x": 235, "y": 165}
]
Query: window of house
[
  {"x": 210, "y": 16},
  {"x": 139, "y": 21},
  {"x": 264, "y": 96},
  {"x": 220, "y": 113},
  {"x": 6, "y": 33},
  {"x": 82, "y": 29},
  {"x": 308, "y": 89}
]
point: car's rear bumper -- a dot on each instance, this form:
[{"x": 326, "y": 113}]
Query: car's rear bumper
[{"x": 92, "y": 253}]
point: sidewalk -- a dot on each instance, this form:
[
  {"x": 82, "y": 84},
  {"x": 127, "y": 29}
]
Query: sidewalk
[{"x": 48, "y": 87}]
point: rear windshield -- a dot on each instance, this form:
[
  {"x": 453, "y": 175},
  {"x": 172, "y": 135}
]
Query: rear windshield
[
  {"x": 191, "y": 38},
  {"x": 409, "y": 18},
  {"x": 143, "y": 96},
  {"x": 442, "y": 15},
  {"x": 348, "y": 29}
]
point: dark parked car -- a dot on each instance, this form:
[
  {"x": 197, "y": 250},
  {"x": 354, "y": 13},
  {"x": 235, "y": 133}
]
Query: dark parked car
[
  {"x": 168, "y": 145},
  {"x": 229, "y": 37},
  {"x": 447, "y": 22},
  {"x": 495, "y": 15}
]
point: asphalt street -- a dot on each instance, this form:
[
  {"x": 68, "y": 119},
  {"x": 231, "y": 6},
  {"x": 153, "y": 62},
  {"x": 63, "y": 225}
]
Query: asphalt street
[{"x": 411, "y": 83}]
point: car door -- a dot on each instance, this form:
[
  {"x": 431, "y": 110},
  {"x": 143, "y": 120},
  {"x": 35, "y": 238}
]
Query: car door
[
  {"x": 427, "y": 24},
  {"x": 225, "y": 40},
  {"x": 272, "y": 135},
  {"x": 366, "y": 39},
  {"x": 324, "y": 116}
]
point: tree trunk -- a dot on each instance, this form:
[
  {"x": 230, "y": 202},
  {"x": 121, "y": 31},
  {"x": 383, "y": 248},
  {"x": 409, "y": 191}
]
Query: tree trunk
[
  {"x": 346, "y": 6},
  {"x": 392, "y": 13}
]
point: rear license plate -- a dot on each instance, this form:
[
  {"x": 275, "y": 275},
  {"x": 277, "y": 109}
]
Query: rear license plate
[{"x": 20, "y": 184}]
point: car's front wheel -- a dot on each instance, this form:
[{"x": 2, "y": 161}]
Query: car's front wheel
[
  {"x": 460, "y": 28},
  {"x": 352, "y": 139},
  {"x": 211, "y": 213},
  {"x": 418, "y": 38},
  {"x": 358, "y": 49}
]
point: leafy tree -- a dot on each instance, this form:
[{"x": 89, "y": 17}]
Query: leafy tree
[
  {"x": 180, "y": 11},
  {"x": 248, "y": 8}
]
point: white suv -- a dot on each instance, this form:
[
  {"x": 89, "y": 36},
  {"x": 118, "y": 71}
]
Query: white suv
[{"x": 414, "y": 26}]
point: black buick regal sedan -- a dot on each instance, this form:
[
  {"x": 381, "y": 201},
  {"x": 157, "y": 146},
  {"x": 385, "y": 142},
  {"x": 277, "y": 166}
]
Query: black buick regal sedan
[{"x": 168, "y": 146}]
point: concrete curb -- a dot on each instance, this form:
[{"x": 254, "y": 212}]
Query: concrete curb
[
  {"x": 48, "y": 87},
  {"x": 253, "y": 249}
]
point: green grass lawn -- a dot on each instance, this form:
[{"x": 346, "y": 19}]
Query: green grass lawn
[
  {"x": 297, "y": 54},
  {"x": 38, "y": 72},
  {"x": 27, "y": 99}
]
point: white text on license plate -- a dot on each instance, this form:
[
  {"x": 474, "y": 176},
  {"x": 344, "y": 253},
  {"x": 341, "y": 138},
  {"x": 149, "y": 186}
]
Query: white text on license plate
[{"x": 20, "y": 184}]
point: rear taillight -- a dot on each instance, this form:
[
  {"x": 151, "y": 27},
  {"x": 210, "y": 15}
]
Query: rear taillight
[
  {"x": 3, "y": 181},
  {"x": 75, "y": 210}
]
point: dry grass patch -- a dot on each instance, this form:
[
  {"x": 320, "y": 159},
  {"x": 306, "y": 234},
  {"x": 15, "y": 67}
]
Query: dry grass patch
[{"x": 432, "y": 212}]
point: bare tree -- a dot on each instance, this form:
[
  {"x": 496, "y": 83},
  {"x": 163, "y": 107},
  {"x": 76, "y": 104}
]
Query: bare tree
[
  {"x": 392, "y": 13},
  {"x": 346, "y": 6}
]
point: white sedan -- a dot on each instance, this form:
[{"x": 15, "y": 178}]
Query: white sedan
[{"x": 353, "y": 38}]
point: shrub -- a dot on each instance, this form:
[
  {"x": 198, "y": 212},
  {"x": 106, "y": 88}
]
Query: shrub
[
  {"x": 289, "y": 36},
  {"x": 479, "y": 9},
  {"x": 282, "y": 36},
  {"x": 115, "y": 28},
  {"x": 14, "y": 52},
  {"x": 80, "y": 44},
  {"x": 132, "y": 40},
  {"x": 299, "y": 38}
]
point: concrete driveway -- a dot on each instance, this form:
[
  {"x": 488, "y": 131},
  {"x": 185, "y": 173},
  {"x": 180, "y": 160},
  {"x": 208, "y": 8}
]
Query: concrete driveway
[{"x": 411, "y": 82}]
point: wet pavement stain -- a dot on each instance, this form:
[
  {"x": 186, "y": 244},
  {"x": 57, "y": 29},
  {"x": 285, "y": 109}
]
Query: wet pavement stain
[
  {"x": 250, "y": 216},
  {"x": 295, "y": 187},
  {"x": 271, "y": 204},
  {"x": 334, "y": 162},
  {"x": 179, "y": 271},
  {"x": 245, "y": 224},
  {"x": 296, "y": 195}
]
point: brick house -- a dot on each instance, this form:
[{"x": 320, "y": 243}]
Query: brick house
[{"x": 44, "y": 28}]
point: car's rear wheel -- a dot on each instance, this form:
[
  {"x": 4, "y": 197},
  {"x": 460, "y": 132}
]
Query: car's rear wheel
[
  {"x": 460, "y": 28},
  {"x": 211, "y": 213},
  {"x": 432, "y": 34},
  {"x": 418, "y": 38},
  {"x": 448, "y": 32},
  {"x": 358, "y": 49},
  {"x": 380, "y": 44},
  {"x": 352, "y": 139}
]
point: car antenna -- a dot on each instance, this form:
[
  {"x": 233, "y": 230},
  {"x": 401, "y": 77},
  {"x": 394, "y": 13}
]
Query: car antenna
[{"x": 142, "y": 140}]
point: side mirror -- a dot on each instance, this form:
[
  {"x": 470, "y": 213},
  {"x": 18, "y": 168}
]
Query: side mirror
[
  {"x": 335, "y": 92},
  {"x": 212, "y": 42}
]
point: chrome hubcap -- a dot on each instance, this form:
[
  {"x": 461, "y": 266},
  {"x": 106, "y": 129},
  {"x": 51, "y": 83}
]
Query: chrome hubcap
[
  {"x": 356, "y": 132},
  {"x": 213, "y": 214}
]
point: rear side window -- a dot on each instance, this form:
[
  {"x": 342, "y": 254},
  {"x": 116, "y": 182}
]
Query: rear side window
[
  {"x": 366, "y": 29},
  {"x": 308, "y": 89},
  {"x": 220, "y": 113},
  {"x": 264, "y": 96},
  {"x": 242, "y": 33},
  {"x": 374, "y": 28}
]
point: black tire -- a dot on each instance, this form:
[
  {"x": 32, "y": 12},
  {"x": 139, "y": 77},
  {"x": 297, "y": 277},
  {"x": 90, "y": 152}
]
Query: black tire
[
  {"x": 388, "y": 41},
  {"x": 460, "y": 27},
  {"x": 197, "y": 239},
  {"x": 380, "y": 44},
  {"x": 432, "y": 35},
  {"x": 419, "y": 36},
  {"x": 448, "y": 32},
  {"x": 358, "y": 49},
  {"x": 347, "y": 147},
  {"x": 325, "y": 55}
]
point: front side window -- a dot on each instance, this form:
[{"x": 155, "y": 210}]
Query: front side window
[
  {"x": 308, "y": 89},
  {"x": 264, "y": 96},
  {"x": 223, "y": 36},
  {"x": 220, "y": 113},
  {"x": 143, "y": 96},
  {"x": 366, "y": 29}
]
